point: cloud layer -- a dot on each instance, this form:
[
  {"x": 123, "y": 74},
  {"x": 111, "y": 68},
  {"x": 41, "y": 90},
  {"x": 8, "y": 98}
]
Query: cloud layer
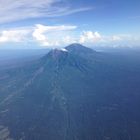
[
  {"x": 17, "y": 35},
  {"x": 61, "y": 35}
]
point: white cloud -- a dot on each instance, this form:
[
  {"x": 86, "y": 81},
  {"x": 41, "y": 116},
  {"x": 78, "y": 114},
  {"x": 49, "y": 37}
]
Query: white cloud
[
  {"x": 121, "y": 37},
  {"x": 116, "y": 38},
  {"x": 41, "y": 33},
  {"x": 14, "y": 10},
  {"x": 13, "y": 35},
  {"x": 89, "y": 36},
  {"x": 69, "y": 39},
  {"x": 62, "y": 35}
]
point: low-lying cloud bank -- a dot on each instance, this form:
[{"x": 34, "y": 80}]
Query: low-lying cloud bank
[{"x": 61, "y": 35}]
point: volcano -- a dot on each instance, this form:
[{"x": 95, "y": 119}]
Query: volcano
[{"x": 74, "y": 93}]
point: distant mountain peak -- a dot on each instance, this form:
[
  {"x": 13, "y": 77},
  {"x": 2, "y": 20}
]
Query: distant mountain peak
[
  {"x": 71, "y": 51},
  {"x": 75, "y": 45},
  {"x": 78, "y": 48}
]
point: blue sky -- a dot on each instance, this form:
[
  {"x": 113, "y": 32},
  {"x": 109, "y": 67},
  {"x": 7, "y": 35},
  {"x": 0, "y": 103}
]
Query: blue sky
[{"x": 56, "y": 23}]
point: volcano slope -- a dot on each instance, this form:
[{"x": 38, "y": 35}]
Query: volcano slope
[{"x": 74, "y": 93}]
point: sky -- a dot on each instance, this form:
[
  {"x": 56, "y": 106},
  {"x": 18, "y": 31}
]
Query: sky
[{"x": 35, "y": 24}]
